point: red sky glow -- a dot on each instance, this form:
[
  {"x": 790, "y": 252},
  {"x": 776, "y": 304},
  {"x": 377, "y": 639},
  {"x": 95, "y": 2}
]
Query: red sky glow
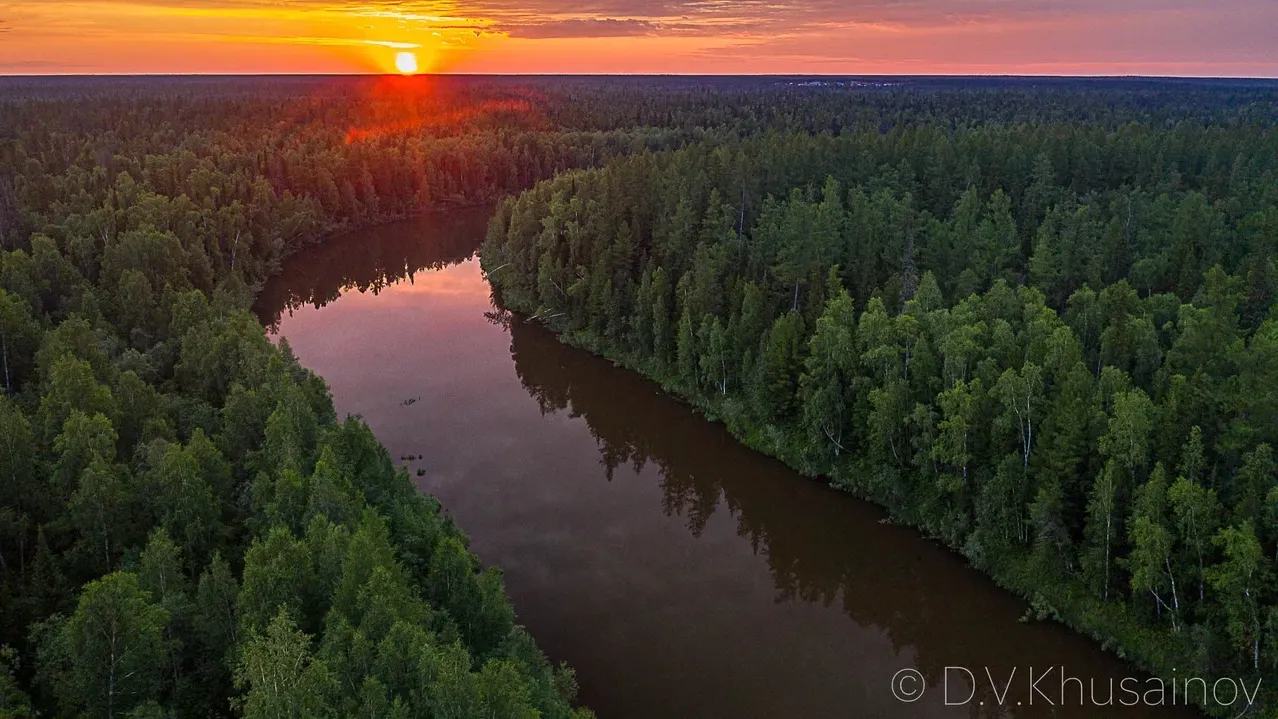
[{"x": 1050, "y": 37}]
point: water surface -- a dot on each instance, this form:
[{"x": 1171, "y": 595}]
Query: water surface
[{"x": 680, "y": 573}]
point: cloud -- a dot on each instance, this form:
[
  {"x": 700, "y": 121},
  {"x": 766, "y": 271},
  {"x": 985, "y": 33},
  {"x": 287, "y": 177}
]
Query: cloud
[
  {"x": 37, "y": 65},
  {"x": 299, "y": 40},
  {"x": 769, "y": 35},
  {"x": 1196, "y": 41},
  {"x": 612, "y": 18},
  {"x": 581, "y": 27}
]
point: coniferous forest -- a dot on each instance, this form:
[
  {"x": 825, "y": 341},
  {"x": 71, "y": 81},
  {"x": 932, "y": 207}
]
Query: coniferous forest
[
  {"x": 1050, "y": 343},
  {"x": 1034, "y": 318},
  {"x": 187, "y": 529}
]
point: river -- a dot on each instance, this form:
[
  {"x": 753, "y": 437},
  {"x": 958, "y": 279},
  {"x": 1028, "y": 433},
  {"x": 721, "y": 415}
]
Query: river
[{"x": 680, "y": 574}]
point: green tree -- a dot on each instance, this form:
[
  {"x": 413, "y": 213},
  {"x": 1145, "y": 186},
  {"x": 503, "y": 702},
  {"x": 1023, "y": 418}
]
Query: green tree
[
  {"x": 686, "y": 351},
  {"x": 1257, "y": 476},
  {"x": 1197, "y": 513},
  {"x": 1021, "y": 394},
  {"x": 1053, "y": 551},
  {"x": 780, "y": 366},
  {"x": 82, "y": 441},
  {"x": 474, "y": 599},
  {"x": 1152, "y": 539},
  {"x": 1240, "y": 579},
  {"x": 277, "y": 576},
  {"x": 161, "y": 574},
  {"x": 715, "y": 356},
  {"x": 99, "y": 511},
  {"x": 72, "y": 386},
  {"x": 959, "y": 407},
  {"x": 182, "y": 500},
  {"x": 19, "y": 337},
  {"x": 13, "y": 701},
  {"x": 1192, "y": 458},
  {"x": 110, "y": 655},
  {"x": 1129, "y": 428},
  {"x": 214, "y": 621},
  {"x": 1100, "y": 530},
  {"x": 663, "y": 333},
  {"x": 279, "y": 676},
  {"x": 829, "y": 373},
  {"x": 291, "y": 432},
  {"x": 19, "y": 484}
]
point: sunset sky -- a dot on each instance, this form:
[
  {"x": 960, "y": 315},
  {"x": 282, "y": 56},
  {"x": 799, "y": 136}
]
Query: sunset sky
[{"x": 1090, "y": 37}]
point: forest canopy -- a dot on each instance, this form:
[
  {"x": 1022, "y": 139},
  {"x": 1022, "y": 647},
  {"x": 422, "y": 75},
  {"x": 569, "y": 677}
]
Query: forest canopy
[
  {"x": 1052, "y": 344},
  {"x": 1034, "y": 317},
  {"x": 186, "y": 527}
]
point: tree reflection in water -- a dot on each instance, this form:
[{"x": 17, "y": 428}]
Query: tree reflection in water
[{"x": 821, "y": 547}]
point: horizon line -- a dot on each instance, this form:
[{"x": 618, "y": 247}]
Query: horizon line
[{"x": 6, "y": 75}]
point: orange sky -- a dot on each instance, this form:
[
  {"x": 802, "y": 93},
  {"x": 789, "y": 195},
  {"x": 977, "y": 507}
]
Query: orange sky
[{"x": 1148, "y": 37}]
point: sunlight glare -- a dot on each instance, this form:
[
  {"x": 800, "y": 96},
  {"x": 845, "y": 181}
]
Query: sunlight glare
[{"x": 406, "y": 63}]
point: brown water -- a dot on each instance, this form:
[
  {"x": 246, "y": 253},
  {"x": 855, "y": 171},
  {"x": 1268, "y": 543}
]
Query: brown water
[{"x": 680, "y": 573}]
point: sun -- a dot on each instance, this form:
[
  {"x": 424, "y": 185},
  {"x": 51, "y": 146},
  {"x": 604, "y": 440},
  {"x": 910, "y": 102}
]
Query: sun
[{"x": 406, "y": 63}]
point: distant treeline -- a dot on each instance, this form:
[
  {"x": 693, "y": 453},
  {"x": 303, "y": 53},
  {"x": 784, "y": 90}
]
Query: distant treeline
[{"x": 1052, "y": 345}]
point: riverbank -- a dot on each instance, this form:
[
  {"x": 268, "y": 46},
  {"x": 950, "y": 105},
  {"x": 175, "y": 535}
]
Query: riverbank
[
  {"x": 1145, "y": 650},
  {"x": 344, "y": 230},
  {"x": 637, "y": 540}
]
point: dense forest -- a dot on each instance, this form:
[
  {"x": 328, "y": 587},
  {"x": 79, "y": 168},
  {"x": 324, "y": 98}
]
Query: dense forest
[
  {"x": 186, "y": 528},
  {"x": 1051, "y": 344},
  {"x": 1032, "y": 317}
]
